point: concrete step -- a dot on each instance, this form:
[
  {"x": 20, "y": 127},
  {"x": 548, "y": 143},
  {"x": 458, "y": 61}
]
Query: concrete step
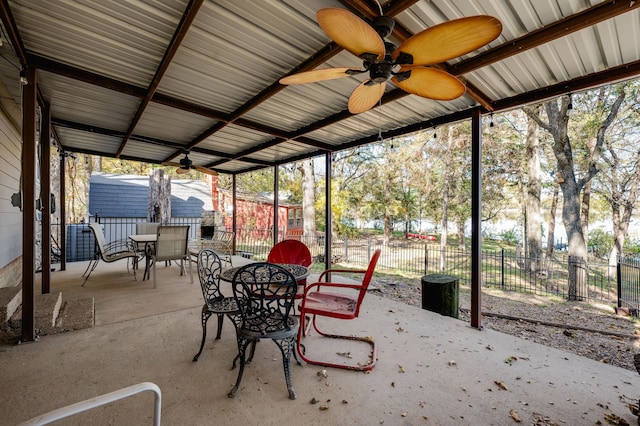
[
  {"x": 76, "y": 315},
  {"x": 10, "y": 301},
  {"x": 52, "y": 316},
  {"x": 47, "y": 308}
]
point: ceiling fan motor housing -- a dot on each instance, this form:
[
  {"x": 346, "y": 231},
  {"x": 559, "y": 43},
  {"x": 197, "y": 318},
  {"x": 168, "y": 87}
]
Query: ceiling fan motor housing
[{"x": 185, "y": 162}]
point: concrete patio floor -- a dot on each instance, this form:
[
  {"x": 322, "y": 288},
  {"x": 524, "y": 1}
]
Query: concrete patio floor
[{"x": 431, "y": 369}]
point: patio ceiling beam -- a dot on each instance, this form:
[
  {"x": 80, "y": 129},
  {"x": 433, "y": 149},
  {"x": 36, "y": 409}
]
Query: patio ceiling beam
[
  {"x": 185, "y": 24},
  {"x": 45, "y": 64},
  {"x": 576, "y": 22},
  {"x": 619, "y": 73},
  {"x": 154, "y": 141},
  {"x": 259, "y": 164},
  {"x": 13, "y": 34},
  {"x": 242, "y": 156},
  {"x": 74, "y": 73},
  {"x": 327, "y": 52}
]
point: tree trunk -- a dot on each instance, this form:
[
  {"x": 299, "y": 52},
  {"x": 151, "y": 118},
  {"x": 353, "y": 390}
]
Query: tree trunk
[
  {"x": 461, "y": 238},
  {"x": 159, "y": 207},
  {"x": 523, "y": 211},
  {"x": 622, "y": 210},
  {"x": 445, "y": 201},
  {"x": 584, "y": 212},
  {"x": 552, "y": 221},
  {"x": 97, "y": 163},
  {"x": 534, "y": 189},
  {"x": 387, "y": 213},
  {"x": 576, "y": 244},
  {"x": 571, "y": 188}
]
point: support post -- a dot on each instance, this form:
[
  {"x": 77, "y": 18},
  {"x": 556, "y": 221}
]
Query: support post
[
  {"x": 234, "y": 216},
  {"x": 476, "y": 219},
  {"x": 45, "y": 196},
  {"x": 29, "y": 112},
  {"x": 276, "y": 204},
  {"x": 327, "y": 202},
  {"x": 63, "y": 213}
]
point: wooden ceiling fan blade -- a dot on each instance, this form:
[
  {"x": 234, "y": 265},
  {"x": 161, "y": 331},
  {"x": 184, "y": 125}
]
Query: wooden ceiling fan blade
[
  {"x": 319, "y": 75},
  {"x": 365, "y": 96},
  {"x": 205, "y": 170},
  {"x": 171, "y": 164},
  {"x": 430, "y": 83},
  {"x": 181, "y": 171},
  {"x": 448, "y": 40},
  {"x": 350, "y": 32}
]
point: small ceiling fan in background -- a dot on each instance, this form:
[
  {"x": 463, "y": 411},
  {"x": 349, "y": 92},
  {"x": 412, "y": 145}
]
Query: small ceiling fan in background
[
  {"x": 406, "y": 65},
  {"x": 186, "y": 165}
]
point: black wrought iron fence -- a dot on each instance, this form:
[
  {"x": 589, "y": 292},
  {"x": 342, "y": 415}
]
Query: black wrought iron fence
[
  {"x": 504, "y": 269},
  {"x": 628, "y": 278}
]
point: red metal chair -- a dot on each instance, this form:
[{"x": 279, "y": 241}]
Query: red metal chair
[
  {"x": 293, "y": 252},
  {"x": 320, "y": 300}
]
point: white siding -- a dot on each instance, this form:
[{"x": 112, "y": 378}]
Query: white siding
[{"x": 10, "y": 217}]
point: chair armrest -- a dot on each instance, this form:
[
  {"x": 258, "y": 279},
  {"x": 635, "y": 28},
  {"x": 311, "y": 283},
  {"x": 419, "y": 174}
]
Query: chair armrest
[
  {"x": 351, "y": 271},
  {"x": 308, "y": 289},
  {"x": 118, "y": 246}
]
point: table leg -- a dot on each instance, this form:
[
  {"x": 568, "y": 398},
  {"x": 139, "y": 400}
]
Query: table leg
[{"x": 147, "y": 265}]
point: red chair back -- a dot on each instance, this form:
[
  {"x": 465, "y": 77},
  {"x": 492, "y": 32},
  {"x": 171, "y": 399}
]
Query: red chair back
[
  {"x": 290, "y": 251},
  {"x": 367, "y": 279}
]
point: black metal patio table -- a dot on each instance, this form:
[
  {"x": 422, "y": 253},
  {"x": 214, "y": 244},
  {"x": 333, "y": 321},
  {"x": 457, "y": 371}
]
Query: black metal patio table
[{"x": 299, "y": 272}]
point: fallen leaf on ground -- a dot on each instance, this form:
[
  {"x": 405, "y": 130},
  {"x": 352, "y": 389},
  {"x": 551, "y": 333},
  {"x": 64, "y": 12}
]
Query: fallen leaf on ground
[
  {"x": 514, "y": 415},
  {"x": 501, "y": 384},
  {"x": 614, "y": 419}
]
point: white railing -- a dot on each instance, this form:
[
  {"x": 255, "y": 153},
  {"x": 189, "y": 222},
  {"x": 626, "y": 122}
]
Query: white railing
[{"x": 107, "y": 398}]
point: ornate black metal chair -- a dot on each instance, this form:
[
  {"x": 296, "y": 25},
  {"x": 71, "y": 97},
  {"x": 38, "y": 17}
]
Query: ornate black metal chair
[
  {"x": 265, "y": 294},
  {"x": 209, "y": 267}
]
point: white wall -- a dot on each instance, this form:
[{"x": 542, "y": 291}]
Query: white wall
[{"x": 10, "y": 216}]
